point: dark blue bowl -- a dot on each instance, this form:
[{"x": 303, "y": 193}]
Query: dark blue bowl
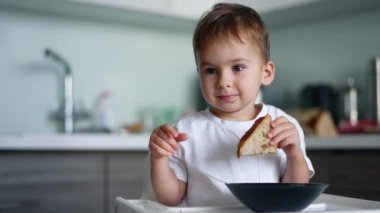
[{"x": 276, "y": 197}]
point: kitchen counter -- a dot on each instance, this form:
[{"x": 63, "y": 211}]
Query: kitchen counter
[
  {"x": 344, "y": 142},
  {"x": 75, "y": 142},
  {"x": 139, "y": 142}
]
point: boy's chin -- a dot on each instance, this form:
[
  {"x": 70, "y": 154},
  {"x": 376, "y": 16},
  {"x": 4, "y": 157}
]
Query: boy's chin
[{"x": 229, "y": 110}]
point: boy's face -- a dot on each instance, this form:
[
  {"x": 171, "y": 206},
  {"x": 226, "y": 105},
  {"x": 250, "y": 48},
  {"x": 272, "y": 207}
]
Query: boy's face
[{"x": 231, "y": 74}]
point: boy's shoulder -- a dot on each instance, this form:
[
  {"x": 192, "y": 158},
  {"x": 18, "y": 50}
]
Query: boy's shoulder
[
  {"x": 275, "y": 112},
  {"x": 194, "y": 118}
]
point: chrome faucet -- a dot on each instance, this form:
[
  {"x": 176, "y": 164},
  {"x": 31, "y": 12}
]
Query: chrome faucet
[{"x": 68, "y": 103}]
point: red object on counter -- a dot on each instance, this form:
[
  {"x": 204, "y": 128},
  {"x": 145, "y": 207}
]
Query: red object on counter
[{"x": 360, "y": 127}]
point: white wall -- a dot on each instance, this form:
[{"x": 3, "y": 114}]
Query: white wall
[
  {"x": 141, "y": 65},
  {"x": 327, "y": 50}
]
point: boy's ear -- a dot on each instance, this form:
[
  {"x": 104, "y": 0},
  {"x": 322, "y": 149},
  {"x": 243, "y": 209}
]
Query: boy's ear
[{"x": 268, "y": 73}]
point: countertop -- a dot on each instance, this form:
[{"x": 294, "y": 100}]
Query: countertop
[
  {"x": 74, "y": 142},
  {"x": 345, "y": 142},
  {"x": 139, "y": 142},
  {"x": 324, "y": 203}
]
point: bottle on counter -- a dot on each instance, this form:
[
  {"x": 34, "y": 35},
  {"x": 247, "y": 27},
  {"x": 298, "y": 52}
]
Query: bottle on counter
[
  {"x": 351, "y": 102},
  {"x": 103, "y": 114}
]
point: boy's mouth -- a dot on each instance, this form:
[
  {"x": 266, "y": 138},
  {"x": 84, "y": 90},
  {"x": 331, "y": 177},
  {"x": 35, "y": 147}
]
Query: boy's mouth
[{"x": 227, "y": 98}]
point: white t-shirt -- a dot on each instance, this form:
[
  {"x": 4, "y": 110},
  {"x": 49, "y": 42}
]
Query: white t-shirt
[{"x": 211, "y": 150}]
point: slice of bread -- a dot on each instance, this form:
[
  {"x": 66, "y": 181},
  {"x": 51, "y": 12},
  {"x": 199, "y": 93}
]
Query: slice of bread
[{"x": 255, "y": 141}]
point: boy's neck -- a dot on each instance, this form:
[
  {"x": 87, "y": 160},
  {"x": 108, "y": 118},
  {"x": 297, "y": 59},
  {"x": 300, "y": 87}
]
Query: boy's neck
[{"x": 246, "y": 115}]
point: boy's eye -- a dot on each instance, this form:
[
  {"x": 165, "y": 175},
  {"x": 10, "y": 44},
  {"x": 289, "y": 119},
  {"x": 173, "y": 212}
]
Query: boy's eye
[
  {"x": 210, "y": 71},
  {"x": 237, "y": 68}
]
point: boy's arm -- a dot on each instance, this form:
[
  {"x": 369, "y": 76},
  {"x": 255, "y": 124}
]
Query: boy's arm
[
  {"x": 284, "y": 135},
  {"x": 163, "y": 143},
  {"x": 296, "y": 170},
  {"x": 168, "y": 189}
]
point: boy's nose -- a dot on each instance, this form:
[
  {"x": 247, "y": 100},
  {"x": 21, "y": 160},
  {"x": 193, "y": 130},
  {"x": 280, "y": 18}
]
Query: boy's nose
[{"x": 225, "y": 81}]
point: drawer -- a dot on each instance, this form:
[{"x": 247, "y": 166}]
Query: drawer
[
  {"x": 126, "y": 175},
  {"x": 51, "y": 182}
]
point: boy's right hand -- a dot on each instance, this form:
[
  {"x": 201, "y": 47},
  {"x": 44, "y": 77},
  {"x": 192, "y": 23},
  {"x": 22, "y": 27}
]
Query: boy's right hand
[{"x": 164, "y": 141}]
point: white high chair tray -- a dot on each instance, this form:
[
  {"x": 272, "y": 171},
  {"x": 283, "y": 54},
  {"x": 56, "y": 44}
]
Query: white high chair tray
[{"x": 325, "y": 203}]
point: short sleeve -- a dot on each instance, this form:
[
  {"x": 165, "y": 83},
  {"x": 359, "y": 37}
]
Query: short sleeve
[{"x": 178, "y": 165}]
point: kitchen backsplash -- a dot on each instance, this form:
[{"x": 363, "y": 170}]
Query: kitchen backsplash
[
  {"x": 141, "y": 65},
  {"x": 326, "y": 51},
  {"x": 149, "y": 66}
]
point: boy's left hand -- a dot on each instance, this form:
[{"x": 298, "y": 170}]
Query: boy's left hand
[{"x": 284, "y": 135}]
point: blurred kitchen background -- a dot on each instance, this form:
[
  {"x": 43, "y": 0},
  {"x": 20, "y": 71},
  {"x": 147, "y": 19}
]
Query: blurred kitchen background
[
  {"x": 141, "y": 53},
  {"x": 120, "y": 66}
]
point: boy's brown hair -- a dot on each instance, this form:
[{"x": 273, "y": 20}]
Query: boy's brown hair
[{"x": 225, "y": 20}]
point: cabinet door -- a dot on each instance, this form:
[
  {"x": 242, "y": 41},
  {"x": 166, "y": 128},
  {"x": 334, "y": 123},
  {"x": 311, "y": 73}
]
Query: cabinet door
[
  {"x": 321, "y": 162},
  {"x": 126, "y": 174},
  {"x": 357, "y": 174},
  {"x": 349, "y": 173},
  {"x": 51, "y": 182}
]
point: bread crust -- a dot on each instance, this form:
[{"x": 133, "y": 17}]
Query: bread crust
[{"x": 247, "y": 137}]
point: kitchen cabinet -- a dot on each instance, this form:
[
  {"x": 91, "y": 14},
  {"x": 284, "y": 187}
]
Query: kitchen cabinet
[
  {"x": 126, "y": 175},
  {"x": 183, "y": 14},
  {"x": 51, "y": 182},
  {"x": 152, "y": 13},
  {"x": 174, "y": 8},
  {"x": 353, "y": 173},
  {"x": 68, "y": 181}
]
